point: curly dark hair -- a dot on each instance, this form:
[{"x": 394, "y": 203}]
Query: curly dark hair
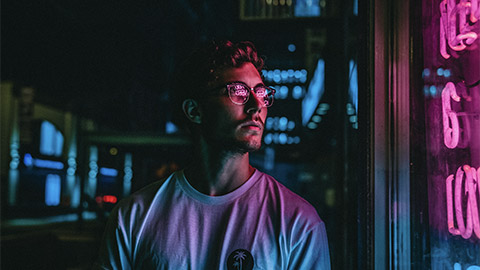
[{"x": 200, "y": 71}]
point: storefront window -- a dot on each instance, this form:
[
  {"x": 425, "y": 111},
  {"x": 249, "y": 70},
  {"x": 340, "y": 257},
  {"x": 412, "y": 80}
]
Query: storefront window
[{"x": 451, "y": 77}]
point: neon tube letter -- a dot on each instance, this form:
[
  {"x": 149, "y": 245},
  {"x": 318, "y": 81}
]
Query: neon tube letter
[
  {"x": 471, "y": 188},
  {"x": 451, "y": 133}
]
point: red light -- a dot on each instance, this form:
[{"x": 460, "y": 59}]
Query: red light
[
  {"x": 109, "y": 199},
  {"x": 98, "y": 199}
]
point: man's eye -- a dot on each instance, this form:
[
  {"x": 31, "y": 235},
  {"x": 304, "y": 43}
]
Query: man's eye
[
  {"x": 241, "y": 92},
  {"x": 261, "y": 92}
]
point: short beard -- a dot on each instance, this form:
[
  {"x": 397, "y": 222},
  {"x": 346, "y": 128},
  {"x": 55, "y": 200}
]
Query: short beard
[
  {"x": 238, "y": 147},
  {"x": 231, "y": 145}
]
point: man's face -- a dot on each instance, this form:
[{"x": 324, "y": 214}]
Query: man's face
[{"x": 238, "y": 127}]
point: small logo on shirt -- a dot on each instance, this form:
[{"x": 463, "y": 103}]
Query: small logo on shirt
[{"x": 240, "y": 259}]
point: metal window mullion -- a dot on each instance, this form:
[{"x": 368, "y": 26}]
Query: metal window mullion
[{"x": 400, "y": 200}]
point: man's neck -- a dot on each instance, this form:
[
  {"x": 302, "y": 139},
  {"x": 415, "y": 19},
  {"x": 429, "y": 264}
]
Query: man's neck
[{"x": 217, "y": 172}]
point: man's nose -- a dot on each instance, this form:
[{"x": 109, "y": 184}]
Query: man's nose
[{"x": 254, "y": 104}]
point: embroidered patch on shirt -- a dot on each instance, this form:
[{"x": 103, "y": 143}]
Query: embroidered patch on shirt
[{"x": 240, "y": 259}]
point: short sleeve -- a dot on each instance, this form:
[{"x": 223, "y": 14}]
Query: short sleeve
[
  {"x": 115, "y": 248},
  {"x": 311, "y": 251}
]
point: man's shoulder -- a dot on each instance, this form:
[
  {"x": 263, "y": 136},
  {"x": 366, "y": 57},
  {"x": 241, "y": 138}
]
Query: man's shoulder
[
  {"x": 292, "y": 203},
  {"x": 140, "y": 201}
]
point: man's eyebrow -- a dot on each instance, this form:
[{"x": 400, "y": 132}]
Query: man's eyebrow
[{"x": 258, "y": 84}]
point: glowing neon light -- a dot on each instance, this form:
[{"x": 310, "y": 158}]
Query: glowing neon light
[
  {"x": 52, "y": 190},
  {"x": 28, "y": 160},
  {"x": 451, "y": 134},
  {"x": 13, "y": 173},
  {"x": 285, "y": 76},
  {"x": 108, "y": 172},
  {"x": 128, "y": 174},
  {"x": 109, "y": 199},
  {"x": 458, "y": 266},
  {"x": 170, "y": 128},
  {"x": 316, "y": 89},
  {"x": 457, "y": 34},
  {"x": 93, "y": 171},
  {"x": 471, "y": 190},
  {"x": 47, "y": 164},
  {"x": 51, "y": 140},
  {"x": 353, "y": 84}
]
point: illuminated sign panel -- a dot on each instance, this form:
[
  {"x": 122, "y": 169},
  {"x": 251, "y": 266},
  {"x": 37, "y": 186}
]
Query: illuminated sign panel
[
  {"x": 466, "y": 187},
  {"x": 451, "y": 76},
  {"x": 458, "y": 23}
]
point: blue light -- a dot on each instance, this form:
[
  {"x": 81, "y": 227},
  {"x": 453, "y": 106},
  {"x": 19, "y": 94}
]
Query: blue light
[
  {"x": 58, "y": 143},
  {"x": 291, "y": 73},
  {"x": 440, "y": 71},
  {"x": 28, "y": 160},
  {"x": 324, "y": 106},
  {"x": 47, "y": 131},
  {"x": 426, "y": 73},
  {"x": 291, "y": 125},
  {"x": 433, "y": 90},
  {"x": 350, "y": 109},
  {"x": 315, "y": 92},
  {"x": 70, "y": 171},
  {"x": 51, "y": 140},
  {"x": 312, "y": 125},
  {"x": 297, "y": 92},
  {"x": 270, "y": 75},
  {"x": 282, "y": 92},
  {"x": 48, "y": 164},
  {"x": 297, "y": 74},
  {"x": 170, "y": 128},
  {"x": 282, "y": 138},
  {"x": 292, "y": 47},
  {"x": 268, "y": 138},
  {"x": 52, "y": 190},
  {"x": 307, "y": 8},
  {"x": 303, "y": 78},
  {"x": 72, "y": 162},
  {"x": 426, "y": 90},
  {"x": 93, "y": 165},
  {"x": 277, "y": 75},
  {"x": 353, "y": 85},
  {"x": 269, "y": 123},
  {"x": 14, "y": 164},
  {"x": 447, "y": 73},
  {"x": 108, "y": 172},
  {"x": 283, "y": 122}
]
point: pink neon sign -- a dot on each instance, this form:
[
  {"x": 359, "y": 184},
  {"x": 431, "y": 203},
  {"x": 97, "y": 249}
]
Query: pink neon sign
[
  {"x": 456, "y": 24},
  {"x": 451, "y": 129},
  {"x": 454, "y": 134},
  {"x": 466, "y": 177}
]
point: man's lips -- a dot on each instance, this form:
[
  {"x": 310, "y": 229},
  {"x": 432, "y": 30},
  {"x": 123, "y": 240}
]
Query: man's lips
[{"x": 251, "y": 125}]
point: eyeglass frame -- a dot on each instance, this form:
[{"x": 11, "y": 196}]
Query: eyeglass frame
[{"x": 251, "y": 89}]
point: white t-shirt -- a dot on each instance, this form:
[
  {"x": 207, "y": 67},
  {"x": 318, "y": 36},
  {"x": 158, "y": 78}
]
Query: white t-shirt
[{"x": 170, "y": 225}]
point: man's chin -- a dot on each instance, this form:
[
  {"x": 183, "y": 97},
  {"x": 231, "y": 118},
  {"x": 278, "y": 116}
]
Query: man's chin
[
  {"x": 244, "y": 146},
  {"x": 251, "y": 146}
]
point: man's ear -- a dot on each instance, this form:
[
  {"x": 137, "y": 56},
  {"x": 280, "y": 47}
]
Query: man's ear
[{"x": 192, "y": 110}]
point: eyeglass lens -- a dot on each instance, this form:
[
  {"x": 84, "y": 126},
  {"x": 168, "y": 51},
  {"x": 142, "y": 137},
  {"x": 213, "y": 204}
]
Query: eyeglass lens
[{"x": 239, "y": 94}]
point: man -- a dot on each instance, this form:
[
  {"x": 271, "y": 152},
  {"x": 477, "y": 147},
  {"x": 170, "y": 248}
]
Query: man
[{"x": 219, "y": 212}]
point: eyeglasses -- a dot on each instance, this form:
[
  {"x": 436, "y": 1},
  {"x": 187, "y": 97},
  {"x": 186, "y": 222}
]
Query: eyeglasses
[{"x": 239, "y": 93}]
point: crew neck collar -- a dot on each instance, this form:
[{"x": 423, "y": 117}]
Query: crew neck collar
[{"x": 195, "y": 194}]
